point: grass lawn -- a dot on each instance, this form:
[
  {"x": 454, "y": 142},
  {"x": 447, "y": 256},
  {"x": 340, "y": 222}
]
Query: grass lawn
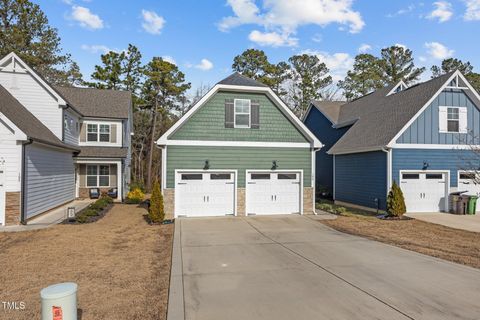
[
  {"x": 120, "y": 263},
  {"x": 435, "y": 240}
]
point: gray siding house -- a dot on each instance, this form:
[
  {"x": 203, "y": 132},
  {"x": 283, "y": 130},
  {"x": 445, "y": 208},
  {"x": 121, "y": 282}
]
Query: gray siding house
[
  {"x": 56, "y": 143},
  {"x": 425, "y": 137},
  {"x": 238, "y": 151}
]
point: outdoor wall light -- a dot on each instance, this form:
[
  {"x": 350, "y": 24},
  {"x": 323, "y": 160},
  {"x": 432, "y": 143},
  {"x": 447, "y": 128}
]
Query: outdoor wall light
[
  {"x": 207, "y": 165},
  {"x": 425, "y": 165},
  {"x": 274, "y": 164}
]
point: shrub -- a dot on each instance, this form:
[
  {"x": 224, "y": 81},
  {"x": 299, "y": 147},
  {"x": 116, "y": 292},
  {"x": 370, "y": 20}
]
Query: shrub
[
  {"x": 135, "y": 195},
  {"x": 137, "y": 185},
  {"x": 90, "y": 212},
  {"x": 81, "y": 219},
  {"x": 395, "y": 201},
  {"x": 340, "y": 210},
  {"x": 156, "y": 212},
  {"x": 325, "y": 207}
]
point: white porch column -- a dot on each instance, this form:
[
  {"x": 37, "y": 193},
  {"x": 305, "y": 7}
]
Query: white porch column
[{"x": 119, "y": 181}]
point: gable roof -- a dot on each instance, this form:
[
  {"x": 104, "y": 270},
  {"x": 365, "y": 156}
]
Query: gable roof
[
  {"x": 240, "y": 83},
  {"x": 378, "y": 118},
  {"x": 99, "y": 103},
  {"x": 27, "y": 122},
  {"x": 238, "y": 79},
  {"x": 330, "y": 109}
]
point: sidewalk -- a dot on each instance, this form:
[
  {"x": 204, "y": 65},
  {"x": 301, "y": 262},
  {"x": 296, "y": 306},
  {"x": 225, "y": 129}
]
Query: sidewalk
[{"x": 45, "y": 220}]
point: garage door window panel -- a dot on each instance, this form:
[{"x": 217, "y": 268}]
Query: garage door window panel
[
  {"x": 220, "y": 176},
  {"x": 192, "y": 176},
  {"x": 260, "y": 176},
  {"x": 410, "y": 176},
  {"x": 287, "y": 176},
  {"x": 434, "y": 176}
]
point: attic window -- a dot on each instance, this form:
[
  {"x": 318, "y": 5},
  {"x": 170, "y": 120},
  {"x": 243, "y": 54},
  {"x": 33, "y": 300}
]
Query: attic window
[{"x": 242, "y": 113}]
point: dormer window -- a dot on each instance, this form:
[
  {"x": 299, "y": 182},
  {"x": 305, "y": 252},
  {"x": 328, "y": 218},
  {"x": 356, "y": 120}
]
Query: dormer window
[
  {"x": 242, "y": 109},
  {"x": 98, "y": 133}
]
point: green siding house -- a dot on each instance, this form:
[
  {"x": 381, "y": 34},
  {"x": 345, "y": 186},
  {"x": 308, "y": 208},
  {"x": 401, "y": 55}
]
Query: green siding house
[{"x": 238, "y": 151}]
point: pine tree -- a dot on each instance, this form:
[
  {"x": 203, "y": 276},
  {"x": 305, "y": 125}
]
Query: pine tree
[
  {"x": 395, "y": 201},
  {"x": 157, "y": 212}
]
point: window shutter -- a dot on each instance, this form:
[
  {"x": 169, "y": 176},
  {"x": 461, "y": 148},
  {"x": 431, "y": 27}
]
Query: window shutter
[
  {"x": 113, "y": 133},
  {"x": 463, "y": 120},
  {"x": 442, "y": 119},
  {"x": 83, "y": 132},
  {"x": 229, "y": 114},
  {"x": 255, "y": 114}
]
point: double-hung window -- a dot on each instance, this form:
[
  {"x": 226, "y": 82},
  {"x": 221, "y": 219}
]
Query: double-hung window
[
  {"x": 98, "y": 175},
  {"x": 453, "y": 120},
  {"x": 98, "y": 132},
  {"x": 92, "y": 132},
  {"x": 242, "y": 109}
]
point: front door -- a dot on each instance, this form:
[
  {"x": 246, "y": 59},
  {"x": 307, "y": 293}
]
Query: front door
[{"x": 2, "y": 191}]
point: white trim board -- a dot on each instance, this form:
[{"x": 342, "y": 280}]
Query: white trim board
[
  {"x": 163, "y": 140},
  {"x": 436, "y": 146},
  {"x": 237, "y": 144}
]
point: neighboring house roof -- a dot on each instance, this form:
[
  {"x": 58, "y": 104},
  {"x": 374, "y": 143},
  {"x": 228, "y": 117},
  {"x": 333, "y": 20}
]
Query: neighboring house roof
[
  {"x": 237, "y": 79},
  {"x": 378, "y": 117},
  {"x": 331, "y": 109},
  {"x": 27, "y": 122},
  {"x": 99, "y": 103},
  {"x": 102, "y": 152}
]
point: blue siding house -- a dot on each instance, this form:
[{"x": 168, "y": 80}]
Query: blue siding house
[{"x": 425, "y": 137}]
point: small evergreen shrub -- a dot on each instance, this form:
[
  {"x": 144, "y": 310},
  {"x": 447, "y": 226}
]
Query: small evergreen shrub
[
  {"x": 90, "y": 212},
  {"x": 340, "y": 210},
  {"x": 135, "y": 196},
  {"x": 325, "y": 207},
  {"x": 396, "y": 202},
  {"x": 156, "y": 212}
]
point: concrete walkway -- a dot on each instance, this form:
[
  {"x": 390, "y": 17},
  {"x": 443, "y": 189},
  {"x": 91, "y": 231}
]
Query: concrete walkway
[
  {"x": 52, "y": 217},
  {"x": 293, "y": 267},
  {"x": 464, "y": 222}
]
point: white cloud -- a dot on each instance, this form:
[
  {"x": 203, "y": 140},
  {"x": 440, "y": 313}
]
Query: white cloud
[
  {"x": 272, "y": 39},
  {"x": 86, "y": 18},
  {"x": 364, "y": 48},
  {"x": 443, "y": 11},
  {"x": 401, "y": 45},
  {"x": 204, "y": 65},
  {"x": 473, "y": 10},
  {"x": 438, "y": 51},
  {"x": 169, "y": 59},
  {"x": 96, "y": 48},
  {"x": 338, "y": 63},
  {"x": 152, "y": 22},
  {"x": 283, "y": 17},
  {"x": 402, "y": 11}
]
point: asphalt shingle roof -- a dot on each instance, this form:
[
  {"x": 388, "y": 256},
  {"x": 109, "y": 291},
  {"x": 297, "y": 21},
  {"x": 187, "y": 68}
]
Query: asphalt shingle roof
[
  {"x": 378, "y": 117},
  {"x": 102, "y": 152},
  {"x": 331, "y": 109},
  {"x": 98, "y": 102},
  {"x": 27, "y": 122},
  {"x": 237, "y": 79}
]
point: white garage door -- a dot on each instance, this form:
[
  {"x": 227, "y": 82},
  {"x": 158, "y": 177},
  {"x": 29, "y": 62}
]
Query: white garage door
[
  {"x": 273, "y": 192},
  {"x": 424, "y": 191},
  {"x": 469, "y": 181},
  {"x": 202, "y": 194}
]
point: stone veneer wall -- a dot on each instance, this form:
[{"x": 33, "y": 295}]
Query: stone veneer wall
[
  {"x": 169, "y": 202},
  {"x": 241, "y": 202},
  {"x": 12, "y": 206},
  {"x": 308, "y": 200}
]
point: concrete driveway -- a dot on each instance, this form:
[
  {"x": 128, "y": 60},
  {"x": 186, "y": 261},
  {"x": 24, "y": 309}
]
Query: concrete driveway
[
  {"x": 463, "y": 222},
  {"x": 293, "y": 267}
]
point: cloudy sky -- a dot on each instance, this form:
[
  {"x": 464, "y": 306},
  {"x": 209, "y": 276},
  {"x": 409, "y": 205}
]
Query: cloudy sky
[{"x": 202, "y": 37}]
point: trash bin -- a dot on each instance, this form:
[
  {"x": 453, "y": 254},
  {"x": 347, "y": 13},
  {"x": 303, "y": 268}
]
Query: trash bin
[
  {"x": 472, "y": 204},
  {"x": 457, "y": 206},
  {"x": 463, "y": 204},
  {"x": 59, "y": 301}
]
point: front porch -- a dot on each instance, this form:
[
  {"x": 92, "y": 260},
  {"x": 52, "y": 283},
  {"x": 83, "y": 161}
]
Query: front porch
[{"x": 105, "y": 175}]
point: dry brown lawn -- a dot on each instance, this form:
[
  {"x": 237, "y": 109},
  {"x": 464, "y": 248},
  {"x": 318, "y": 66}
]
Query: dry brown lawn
[
  {"x": 120, "y": 263},
  {"x": 427, "y": 238}
]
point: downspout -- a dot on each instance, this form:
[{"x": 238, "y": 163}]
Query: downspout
[
  {"x": 314, "y": 165},
  {"x": 389, "y": 172},
  {"x": 24, "y": 183}
]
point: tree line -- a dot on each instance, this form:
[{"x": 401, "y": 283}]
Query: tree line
[{"x": 159, "y": 88}]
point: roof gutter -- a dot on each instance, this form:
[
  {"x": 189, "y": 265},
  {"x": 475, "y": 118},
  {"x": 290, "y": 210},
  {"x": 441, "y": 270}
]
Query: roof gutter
[{"x": 24, "y": 183}]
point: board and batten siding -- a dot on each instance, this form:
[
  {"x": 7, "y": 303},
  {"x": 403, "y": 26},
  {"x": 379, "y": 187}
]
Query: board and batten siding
[
  {"x": 436, "y": 159},
  {"x": 237, "y": 158},
  {"x": 11, "y": 153},
  {"x": 360, "y": 178},
  {"x": 208, "y": 123},
  {"x": 35, "y": 98},
  {"x": 50, "y": 178},
  {"x": 321, "y": 127},
  {"x": 425, "y": 129}
]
